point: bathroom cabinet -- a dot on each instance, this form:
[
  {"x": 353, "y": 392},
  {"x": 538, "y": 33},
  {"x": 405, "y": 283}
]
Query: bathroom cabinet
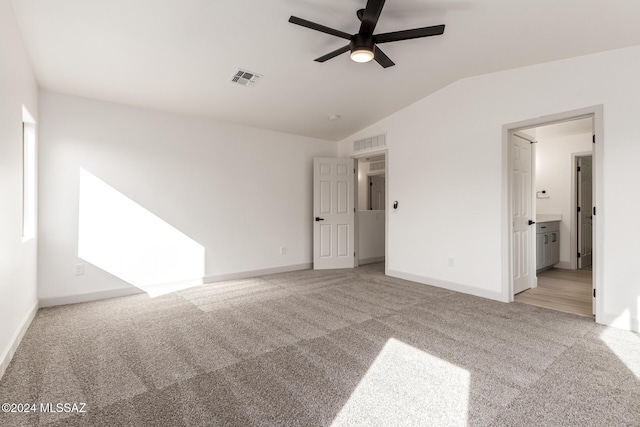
[{"x": 547, "y": 244}]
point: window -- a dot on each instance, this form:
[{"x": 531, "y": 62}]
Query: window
[{"x": 29, "y": 181}]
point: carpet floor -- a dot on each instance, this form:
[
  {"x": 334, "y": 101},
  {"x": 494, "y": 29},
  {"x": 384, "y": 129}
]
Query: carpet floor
[{"x": 319, "y": 348}]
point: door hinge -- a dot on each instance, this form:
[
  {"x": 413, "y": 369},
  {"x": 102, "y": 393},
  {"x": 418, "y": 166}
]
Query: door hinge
[
  {"x": 354, "y": 170},
  {"x": 578, "y": 168},
  {"x": 354, "y": 254},
  {"x": 594, "y": 210},
  {"x": 578, "y": 208},
  {"x": 594, "y": 139},
  {"x": 594, "y": 293},
  {"x": 579, "y": 255}
]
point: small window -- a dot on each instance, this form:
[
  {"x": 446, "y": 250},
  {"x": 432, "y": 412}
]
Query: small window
[{"x": 29, "y": 181}]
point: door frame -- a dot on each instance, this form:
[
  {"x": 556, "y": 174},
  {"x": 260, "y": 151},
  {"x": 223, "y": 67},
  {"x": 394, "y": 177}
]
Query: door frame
[
  {"x": 356, "y": 242},
  {"x": 574, "y": 204},
  {"x": 596, "y": 112}
]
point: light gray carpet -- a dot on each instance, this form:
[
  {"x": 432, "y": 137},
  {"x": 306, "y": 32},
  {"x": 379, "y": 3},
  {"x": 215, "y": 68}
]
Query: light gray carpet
[{"x": 320, "y": 348}]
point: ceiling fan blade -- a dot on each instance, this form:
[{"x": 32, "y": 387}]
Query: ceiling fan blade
[
  {"x": 333, "y": 54},
  {"x": 416, "y": 33},
  {"x": 370, "y": 17},
  {"x": 318, "y": 27},
  {"x": 382, "y": 59}
]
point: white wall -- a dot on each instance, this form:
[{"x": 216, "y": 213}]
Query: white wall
[
  {"x": 363, "y": 170},
  {"x": 445, "y": 167},
  {"x": 553, "y": 174},
  {"x": 370, "y": 236},
  {"x": 18, "y": 297},
  {"x": 240, "y": 192}
]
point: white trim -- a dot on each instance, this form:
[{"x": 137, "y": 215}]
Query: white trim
[
  {"x": 377, "y": 152},
  {"x": 356, "y": 207},
  {"x": 387, "y": 206},
  {"x": 457, "y": 287},
  {"x": 255, "y": 273},
  {"x": 371, "y": 153},
  {"x": 125, "y": 292},
  {"x": 371, "y": 260},
  {"x": 624, "y": 321},
  {"x": 8, "y": 353},
  {"x": 563, "y": 264},
  {"x": 89, "y": 296}
]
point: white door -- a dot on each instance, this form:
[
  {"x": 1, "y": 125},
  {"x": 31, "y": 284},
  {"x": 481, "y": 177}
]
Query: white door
[
  {"x": 376, "y": 192},
  {"x": 333, "y": 212},
  {"x": 585, "y": 205},
  {"x": 522, "y": 203}
]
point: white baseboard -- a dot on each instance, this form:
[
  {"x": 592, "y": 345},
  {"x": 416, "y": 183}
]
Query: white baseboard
[
  {"x": 372, "y": 260},
  {"x": 89, "y": 296},
  {"x": 255, "y": 273},
  {"x": 563, "y": 264},
  {"x": 161, "y": 288},
  {"x": 624, "y": 321},
  {"x": 8, "y": 353},
  {"x": 457, "y": 287}
]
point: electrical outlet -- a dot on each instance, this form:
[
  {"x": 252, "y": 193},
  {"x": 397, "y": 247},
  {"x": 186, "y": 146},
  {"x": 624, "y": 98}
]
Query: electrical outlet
[
  {"x": 79, "y": 268},
  {"x": 283, "y": 250},
  {"x": 452, "y": 262}
]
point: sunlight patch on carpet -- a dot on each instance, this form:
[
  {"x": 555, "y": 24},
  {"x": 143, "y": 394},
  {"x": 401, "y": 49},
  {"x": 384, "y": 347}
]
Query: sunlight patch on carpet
[
  {"x": 408, "y": 386},
  {"x": 626, "y": 346}
]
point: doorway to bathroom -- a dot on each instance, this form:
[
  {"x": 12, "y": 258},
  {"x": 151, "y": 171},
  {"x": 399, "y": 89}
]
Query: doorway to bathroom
[{"x": 553, "y": 166}]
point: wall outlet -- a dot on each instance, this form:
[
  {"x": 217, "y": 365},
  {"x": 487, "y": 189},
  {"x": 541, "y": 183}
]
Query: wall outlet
[
  {"x": 79, "y": 269},
  {"x": 283, "y": 250},
  {"x": 452, "y": 262}
]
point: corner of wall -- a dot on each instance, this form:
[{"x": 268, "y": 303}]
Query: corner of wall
[{"x": 7, "y": 354}]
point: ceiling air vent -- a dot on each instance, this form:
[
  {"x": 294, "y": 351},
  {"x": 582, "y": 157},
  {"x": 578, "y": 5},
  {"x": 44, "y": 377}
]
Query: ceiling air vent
[
  {"x": 375, "y": 142},
  {"x": 377, "y": 166},
  {"x": 245, "y": 78}
]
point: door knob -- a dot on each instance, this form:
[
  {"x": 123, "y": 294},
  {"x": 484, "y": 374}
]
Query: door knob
[
  {"x": 319, "y": 219},
  {"x": 531, "y": 222}
]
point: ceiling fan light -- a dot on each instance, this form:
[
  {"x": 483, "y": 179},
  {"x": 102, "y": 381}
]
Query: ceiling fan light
[{"x": 362, "y": 55}]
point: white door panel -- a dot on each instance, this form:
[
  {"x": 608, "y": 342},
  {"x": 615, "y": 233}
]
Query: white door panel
[
  {"x": 521, "y": 175},
  {"x": 333, "y": 202}
]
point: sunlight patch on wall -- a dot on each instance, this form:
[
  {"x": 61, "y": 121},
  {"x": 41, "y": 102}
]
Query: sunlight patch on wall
[
  {"x": 407, "y": 386},
  {"x": 124, "y": 239}
]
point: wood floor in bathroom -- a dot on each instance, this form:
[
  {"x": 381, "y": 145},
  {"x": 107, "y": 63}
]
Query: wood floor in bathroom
[{"x": 561, "y": 289}]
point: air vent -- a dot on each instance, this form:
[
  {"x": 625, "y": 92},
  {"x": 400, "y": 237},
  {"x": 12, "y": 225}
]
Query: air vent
[
  {"x": 245, "y": 78},
  {"x": 377, "y": 166},
  {"x": 375, "y": 142}
]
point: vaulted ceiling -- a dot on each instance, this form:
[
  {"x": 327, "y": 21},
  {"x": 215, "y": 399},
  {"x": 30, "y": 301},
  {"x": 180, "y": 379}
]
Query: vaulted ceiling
[{"x": 179, "y": 55}]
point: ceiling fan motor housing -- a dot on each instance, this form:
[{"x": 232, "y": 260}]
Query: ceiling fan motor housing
[
  {"x": 360, "y": 42},
  {"x": 363, "y": 44}
]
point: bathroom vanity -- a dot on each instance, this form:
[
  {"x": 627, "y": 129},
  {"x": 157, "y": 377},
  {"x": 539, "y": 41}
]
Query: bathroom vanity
[{"x": 547, "y": 241}]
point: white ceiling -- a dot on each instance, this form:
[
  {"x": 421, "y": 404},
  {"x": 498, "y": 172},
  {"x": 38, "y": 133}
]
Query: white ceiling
[{"x": 179, "y": 55}]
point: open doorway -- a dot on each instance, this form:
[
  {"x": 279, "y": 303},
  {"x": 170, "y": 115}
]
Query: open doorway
[
  {"x": 550, "y": 238},
  {"x": 370, "y": 223}
]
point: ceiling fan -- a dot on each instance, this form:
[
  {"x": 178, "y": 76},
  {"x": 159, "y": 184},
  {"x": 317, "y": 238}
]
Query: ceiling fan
[{"x": 363, "y": 44}]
